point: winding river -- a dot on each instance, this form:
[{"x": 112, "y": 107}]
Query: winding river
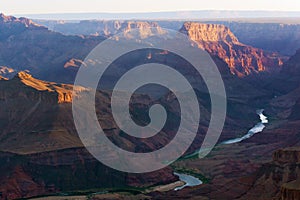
[{"x": 259, "y": 127}]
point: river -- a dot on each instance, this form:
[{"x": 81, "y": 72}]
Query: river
[
  {"x": 188, "y": 179},
  {"x": 259, "y": 127}
]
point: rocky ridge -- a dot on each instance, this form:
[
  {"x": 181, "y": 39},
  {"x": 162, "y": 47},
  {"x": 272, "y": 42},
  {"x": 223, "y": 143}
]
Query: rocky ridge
[
  {"x": 219, "y": 41},
  {"x": 35, "y": 89}
]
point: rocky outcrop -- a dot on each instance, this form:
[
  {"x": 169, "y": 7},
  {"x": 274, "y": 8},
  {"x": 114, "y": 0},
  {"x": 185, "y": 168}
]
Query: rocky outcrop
[
  {"x": 290, "y": 191},
  {"x": 35, "y": 90},
  {"x": 145, "y": 28},
  {"x": 7, "y": 72},
  {"x": 10, "y": 19},
  {"x": 287, "y": 156},
  {"x": 208, "y": 32},
  {"x": 76, "y": 63},
  {"x": 35, "y": 115},
  {"x": 242, "y": 60},
  {"x": 103, "y": 27},
  {"x": 278, "y": 179}
]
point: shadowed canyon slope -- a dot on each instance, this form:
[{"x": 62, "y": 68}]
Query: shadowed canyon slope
[
  {"x": 27, "y": 46},
  {"x": 40, "y": 149}
]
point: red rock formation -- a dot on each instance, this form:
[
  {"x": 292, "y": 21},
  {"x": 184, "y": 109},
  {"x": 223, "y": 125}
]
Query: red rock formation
[
  {"x": 74, "y": 63},
  {"x": 219, "y": 41},
  {"x": 47, "y": 91}
]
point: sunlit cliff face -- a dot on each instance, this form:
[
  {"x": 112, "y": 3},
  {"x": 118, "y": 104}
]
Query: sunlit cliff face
[{"x": 220, "y": 41}]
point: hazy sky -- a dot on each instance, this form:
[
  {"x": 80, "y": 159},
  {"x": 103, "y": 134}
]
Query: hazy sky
[{"x": 67, "y": 6}]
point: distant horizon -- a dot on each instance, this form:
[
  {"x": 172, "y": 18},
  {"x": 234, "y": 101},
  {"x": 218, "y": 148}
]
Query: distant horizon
[{"x": 167, "y": 15}]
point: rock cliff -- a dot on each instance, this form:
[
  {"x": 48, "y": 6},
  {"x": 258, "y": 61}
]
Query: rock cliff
[
  {"x": 242, "y": 59},
  {"x": 34, "y": 89}
]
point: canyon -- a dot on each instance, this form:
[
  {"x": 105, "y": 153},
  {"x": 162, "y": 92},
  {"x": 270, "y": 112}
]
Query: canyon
[
  {"x": 279, "y": 35},
  {"x": 241, "y": 59},
  {"x": 43, "y": 155},
  {"x": 41, "y": 149}
]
